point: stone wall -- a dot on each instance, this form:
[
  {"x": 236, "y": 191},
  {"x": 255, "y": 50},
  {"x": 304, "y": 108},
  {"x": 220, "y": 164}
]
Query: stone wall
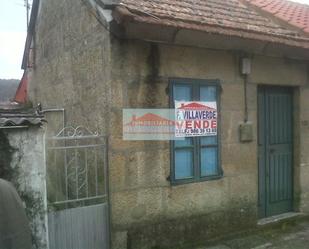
[
  {"x": 147, "y": 211},
  {"x": 22, "y": 152},
  {"x": 71, "y": 66},
  {"x": 302, "y": 170}
]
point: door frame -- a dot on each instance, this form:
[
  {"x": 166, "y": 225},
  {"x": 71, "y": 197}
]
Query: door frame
[{"x": 292, "y": 93}]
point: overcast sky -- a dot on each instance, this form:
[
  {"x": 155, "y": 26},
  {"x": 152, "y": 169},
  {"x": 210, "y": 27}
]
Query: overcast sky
[
  {"x": 302, "y": 1},
  {"x": 13, "y": 37}
]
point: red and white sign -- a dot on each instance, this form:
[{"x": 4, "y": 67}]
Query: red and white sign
[{"x": 196, "y": 119}]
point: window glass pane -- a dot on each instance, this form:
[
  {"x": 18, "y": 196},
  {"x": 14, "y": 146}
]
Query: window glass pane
[
  {"x": 182, "y": 92},
  {"x": 209, "y": 161},
  {"x": 210, "y": 140},
  {"x": 182, "y": 143},
  {"x": 183, "y": 164},
  {"x": 208, "y": 93}
]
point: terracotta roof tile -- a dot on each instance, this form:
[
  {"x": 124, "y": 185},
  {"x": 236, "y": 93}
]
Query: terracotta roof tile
[
  {"x": 16, "y": 117},
  {"x": 229, "y": 17},
  {"x": 296, "y": 14}
]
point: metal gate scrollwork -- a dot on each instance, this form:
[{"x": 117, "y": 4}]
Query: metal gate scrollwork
[{"x": 76, "y": 162}]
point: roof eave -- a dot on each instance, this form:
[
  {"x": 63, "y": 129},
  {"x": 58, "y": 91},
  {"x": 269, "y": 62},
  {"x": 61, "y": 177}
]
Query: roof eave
[
  {"x": 150, "y": 29},
  {"x": 18, "y": 117}
]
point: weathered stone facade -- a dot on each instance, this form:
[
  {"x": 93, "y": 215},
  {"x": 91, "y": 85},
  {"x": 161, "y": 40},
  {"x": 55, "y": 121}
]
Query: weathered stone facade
[
  {"x": 23, "y": 164},
  {"x": 72, "y": 48},
  {"x": 83, "y": 68}
]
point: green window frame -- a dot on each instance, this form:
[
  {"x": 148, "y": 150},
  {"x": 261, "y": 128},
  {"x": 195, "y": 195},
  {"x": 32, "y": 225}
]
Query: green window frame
[{"x": 198, "y": 158}]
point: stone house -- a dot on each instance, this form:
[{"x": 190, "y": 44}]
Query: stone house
[{"x": 90, "y": 59}]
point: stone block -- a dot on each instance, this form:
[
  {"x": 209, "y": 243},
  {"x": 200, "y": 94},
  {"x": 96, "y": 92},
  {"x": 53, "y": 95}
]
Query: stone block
[
  {"x": 116, "y": 122},
  {"x": 117, "y": 94},
  {"x": 137, "y": 206},
  {"x": 239, "y": 158},
  {"x": 303, "y": 179},
  {"x": 130, "y": 59},
  {"x": 120, "y": 240},
  {"x": 304, "y": 202},
  {"x": 278, "y": 71},
  {"x": 117, "y": 171},
  {"x": 232, "y": 97},
  {"x": 141, "y": 94},
  {"x": 303, "y": 96},
  {"x": 204, "y": 64},
  {"x": 243, "y": 189},
  {"x": 196, "y": 198},
  {"x": 138, "y": 170},
  {"x": 303, "y": 150}
]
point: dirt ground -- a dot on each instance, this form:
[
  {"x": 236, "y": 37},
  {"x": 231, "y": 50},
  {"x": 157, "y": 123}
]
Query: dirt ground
[{"x": 286, "y": 235}]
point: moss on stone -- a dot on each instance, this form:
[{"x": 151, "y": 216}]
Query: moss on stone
[
  {"x": 6, "y": 155},
  {"x": 188, "y": 231},
  {"x": 33, "y": 201},
  {"x": 34, "y": 211}
]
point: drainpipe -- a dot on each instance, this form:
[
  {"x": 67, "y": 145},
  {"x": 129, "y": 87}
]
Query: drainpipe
[
  {"x": 43, "y": 111},
  {"x": 246, "y": 98},
  {"x": 245, "y": 71},
  {"x": 50, "y": 110},
  {"x": 245, "y": 129}
]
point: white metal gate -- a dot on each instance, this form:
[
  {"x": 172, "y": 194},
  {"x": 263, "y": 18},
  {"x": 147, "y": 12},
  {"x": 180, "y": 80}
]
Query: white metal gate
[{"x": 77, "y": 190}]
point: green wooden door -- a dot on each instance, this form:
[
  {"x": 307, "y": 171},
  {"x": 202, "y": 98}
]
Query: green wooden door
[{"x": 275, "y": 144}]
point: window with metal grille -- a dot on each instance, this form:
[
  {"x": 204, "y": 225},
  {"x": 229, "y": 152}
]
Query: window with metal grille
[{"x": 195, "y": 158}]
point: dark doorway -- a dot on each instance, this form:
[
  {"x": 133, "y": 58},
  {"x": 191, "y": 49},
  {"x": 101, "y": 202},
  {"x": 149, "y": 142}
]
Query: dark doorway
[{"x": 275, "y": 145}]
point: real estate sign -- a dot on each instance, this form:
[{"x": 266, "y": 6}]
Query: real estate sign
[{"x": 195, "y": 118}]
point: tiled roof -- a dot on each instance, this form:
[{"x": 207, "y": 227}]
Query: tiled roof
[
  {"x": 11, "y": 117},
  {"x": 296, "y": 14},
  {"x": 227, "y": 17}
]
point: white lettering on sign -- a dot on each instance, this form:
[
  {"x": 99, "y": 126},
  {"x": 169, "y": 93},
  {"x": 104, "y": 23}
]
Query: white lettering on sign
[{"x": 195, "y": 119}]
